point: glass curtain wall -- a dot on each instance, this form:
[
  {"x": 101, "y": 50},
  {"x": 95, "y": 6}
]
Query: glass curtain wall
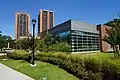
[
  {"x": 66, "y": 36},
  {"x": 81, "y": 41},
  {"x": 84, "y": 41}
]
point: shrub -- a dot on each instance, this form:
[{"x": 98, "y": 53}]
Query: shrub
[
  {"x": 85, "y": 68},
  {"x": 111, "y": 69},
  {"x": 19, "y": 54},
  {"x": 92, "y": 63}
]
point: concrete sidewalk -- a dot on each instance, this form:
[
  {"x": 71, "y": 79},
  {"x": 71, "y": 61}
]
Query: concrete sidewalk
[{"x": 7, "y": 73}]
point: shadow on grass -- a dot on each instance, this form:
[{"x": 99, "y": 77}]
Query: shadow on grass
[{"x": 109, "y": 52}]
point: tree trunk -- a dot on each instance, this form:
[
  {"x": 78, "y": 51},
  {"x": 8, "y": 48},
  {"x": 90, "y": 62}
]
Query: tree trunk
[
  {"x": 114, "y": 50},
  {"x": 117, "y": 51}
]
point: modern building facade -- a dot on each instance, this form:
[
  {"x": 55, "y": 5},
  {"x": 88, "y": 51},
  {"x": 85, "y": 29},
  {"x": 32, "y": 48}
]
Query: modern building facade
[
  {"x": 81, "y": 36},
  {"x": 45, "y": 21},
  {"x": 22, "y": 25}
]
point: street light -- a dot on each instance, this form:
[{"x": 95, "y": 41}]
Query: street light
[{"x": 33, "y": 22}]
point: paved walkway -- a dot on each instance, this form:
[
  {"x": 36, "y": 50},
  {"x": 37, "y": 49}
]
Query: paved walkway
[{"x": 7, "y": 73}]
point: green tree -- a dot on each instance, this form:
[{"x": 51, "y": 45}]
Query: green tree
[
  {"x": 4, "y": 39},
  {"x": 62, "y": 47},
  {"x": 41, "y": 46},
  {"x": 113, "y": 37},
  {"x": 22, "y": 44},
  {"x": 1, "y": 41},
  {"x": 52, "y": 44},
  {"x": 7, "y": 39},
  {"x": 49, "y": 39},
  {"x": 25, "y": 43}
]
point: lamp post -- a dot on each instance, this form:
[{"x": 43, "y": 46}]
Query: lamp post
[{"x": 33, "y": 22}]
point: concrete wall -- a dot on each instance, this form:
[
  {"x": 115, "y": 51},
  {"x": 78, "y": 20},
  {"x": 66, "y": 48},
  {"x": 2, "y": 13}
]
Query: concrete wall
[
  {"x": 82, "y": 26},
  {"x": 74, "y": 25}
]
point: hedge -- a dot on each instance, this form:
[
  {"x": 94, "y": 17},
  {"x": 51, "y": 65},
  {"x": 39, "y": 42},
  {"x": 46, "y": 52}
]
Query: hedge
[{"x": 89, "y": 68}]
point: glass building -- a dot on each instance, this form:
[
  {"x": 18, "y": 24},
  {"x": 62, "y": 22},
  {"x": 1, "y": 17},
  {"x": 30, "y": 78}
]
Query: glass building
[{"x": 81, "y": 36}]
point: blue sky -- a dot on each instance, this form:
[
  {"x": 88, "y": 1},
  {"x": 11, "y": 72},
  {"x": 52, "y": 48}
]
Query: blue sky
[{"x": 91, "y": 11}]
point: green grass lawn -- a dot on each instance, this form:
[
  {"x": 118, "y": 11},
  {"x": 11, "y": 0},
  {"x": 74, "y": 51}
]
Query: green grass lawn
[
  {"x": 42, "y": 69},
  {"x": 98, "y": 55}
]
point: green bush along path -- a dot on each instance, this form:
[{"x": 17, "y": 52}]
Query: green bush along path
[{"x": 92, "y": 66}]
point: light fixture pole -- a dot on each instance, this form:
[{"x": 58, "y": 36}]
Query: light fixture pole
[{"x": 33, "y": 22}]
